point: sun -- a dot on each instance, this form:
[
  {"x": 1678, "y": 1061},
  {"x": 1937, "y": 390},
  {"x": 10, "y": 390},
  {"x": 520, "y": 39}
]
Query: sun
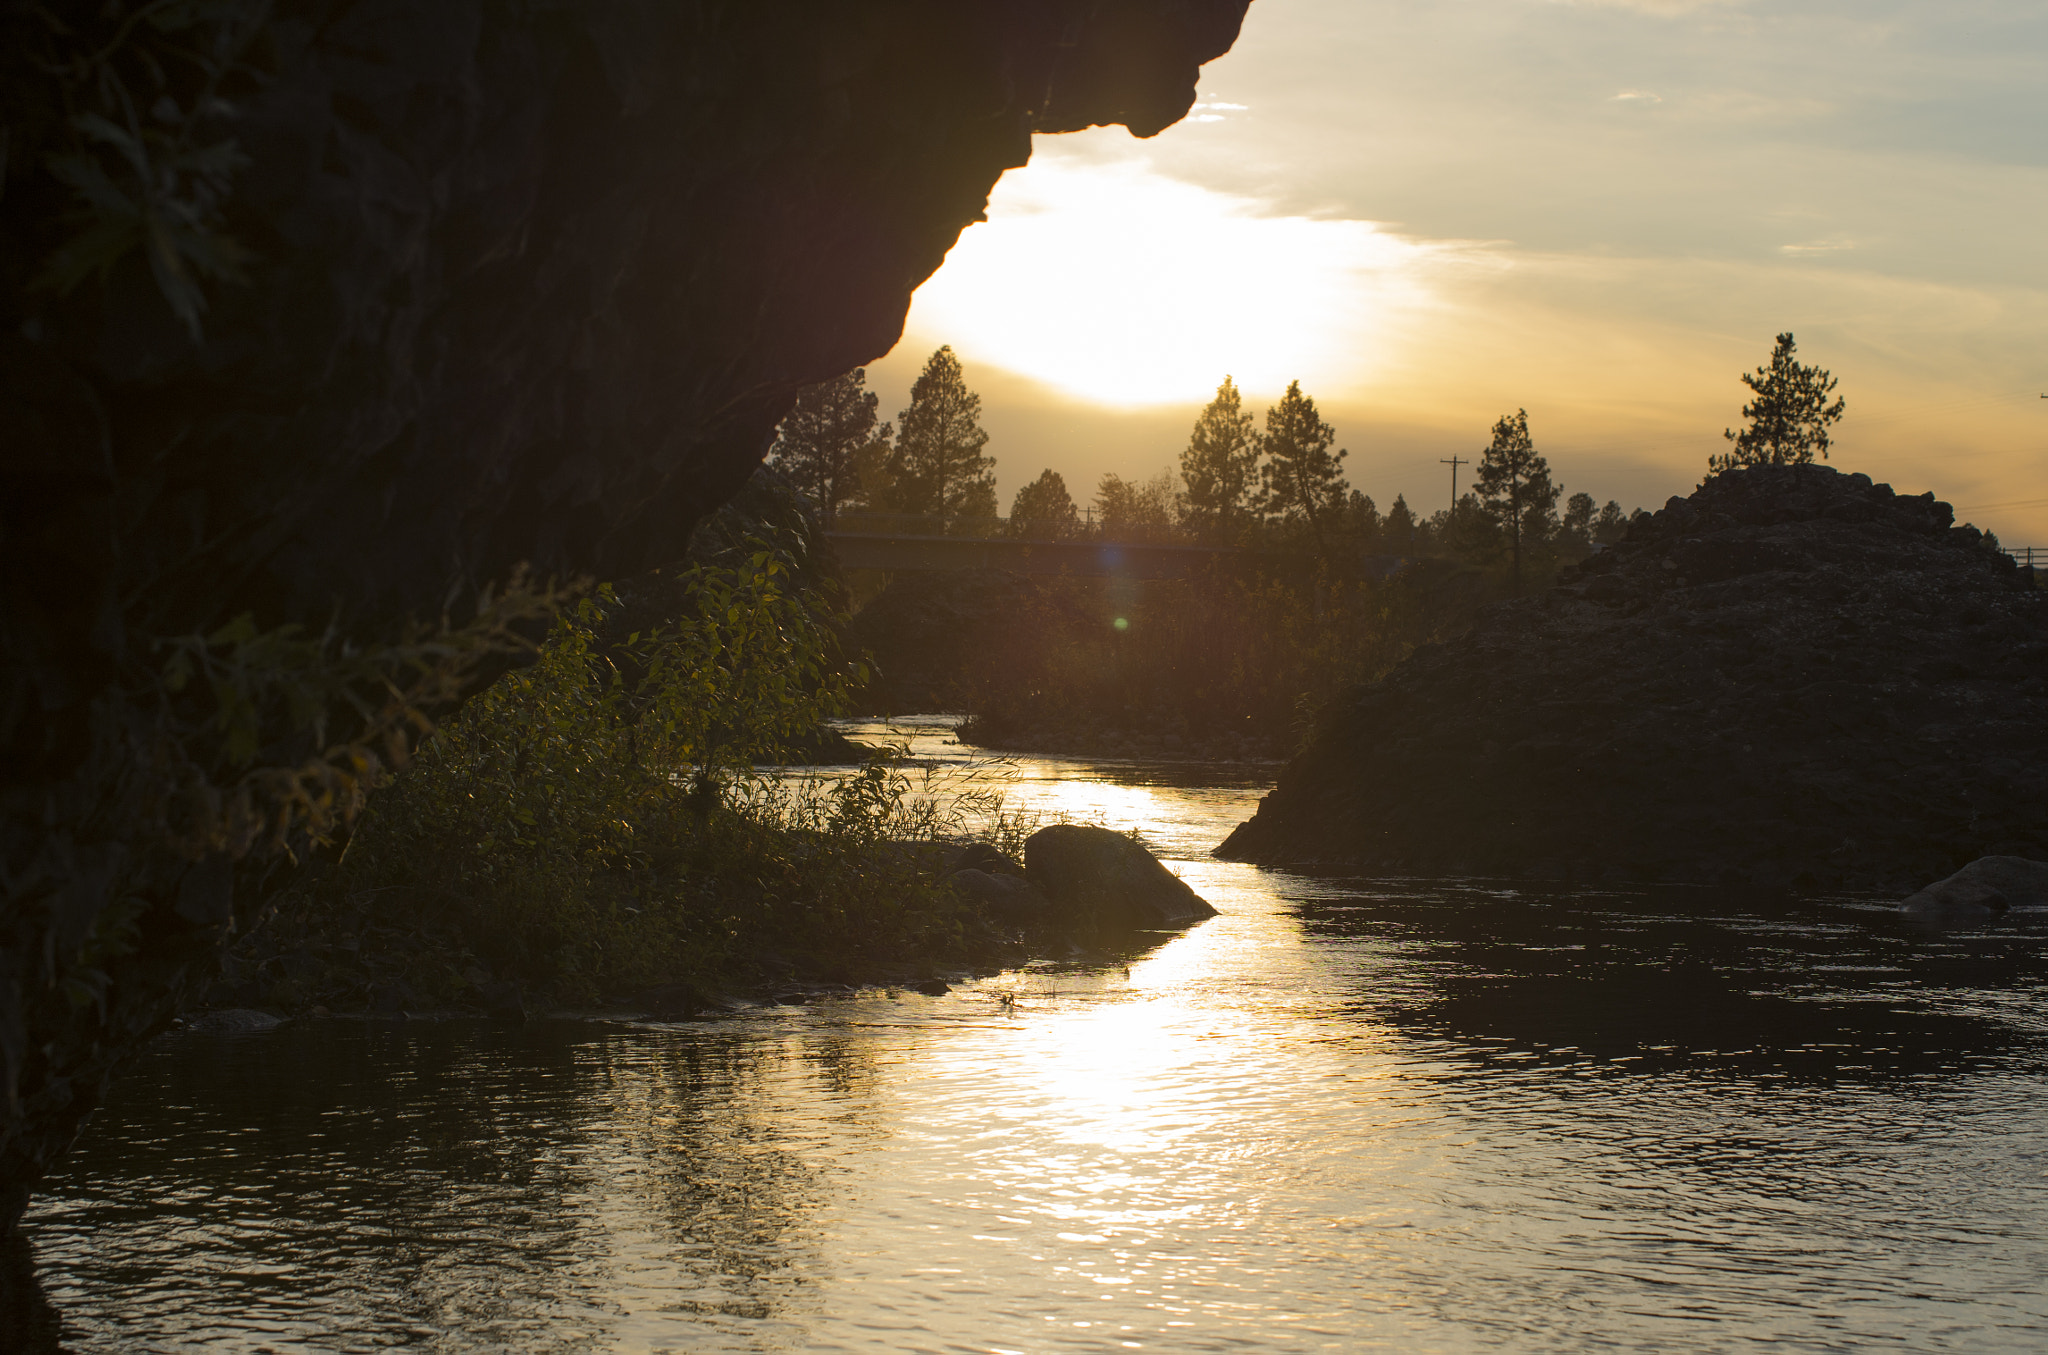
[{"x": 1118, "y": 285}]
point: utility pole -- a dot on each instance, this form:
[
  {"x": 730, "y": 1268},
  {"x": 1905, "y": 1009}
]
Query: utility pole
[{"x": 1458, "y": 461}]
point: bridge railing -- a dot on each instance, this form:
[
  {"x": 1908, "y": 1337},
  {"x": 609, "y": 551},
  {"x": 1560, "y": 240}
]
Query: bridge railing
[
  {"x": 2029, "y": 557},
  {"x": 1085, "y": 527}
]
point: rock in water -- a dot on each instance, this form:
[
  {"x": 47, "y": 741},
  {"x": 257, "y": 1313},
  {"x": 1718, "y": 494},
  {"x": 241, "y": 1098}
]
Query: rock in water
[
  {"x": 1007, "y": 898},
  {"x": 1105, "y": 880},
  {"x": 232, "y": 1021},
  {"x": 1792, "y": 677},
  {"x": 1987, "y": 886}
]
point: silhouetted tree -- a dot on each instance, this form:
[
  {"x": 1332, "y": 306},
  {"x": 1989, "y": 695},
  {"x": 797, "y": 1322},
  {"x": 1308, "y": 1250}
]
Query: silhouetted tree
[
  {"x": 1514, "y": 485},
  {"x": 1789, "y": 418},
  {"x": 1043, "y": 508},
  {"x": 1127, "y": 508},
  {"x": 1362, "y": 520},
  {"x": 1220, "y": 467},
  {"x": 1611, "y": 525},
  {"x": 1577, "y": 522},
  {"x": 821, "y": 441},
  {"x": 1398, "y": 531},
  {"x": 873, "y": 476},
  {"x": 937, "y": 466},
  {"x": 1465, "y": 530},
  {"x": 1301, "y": 483}
]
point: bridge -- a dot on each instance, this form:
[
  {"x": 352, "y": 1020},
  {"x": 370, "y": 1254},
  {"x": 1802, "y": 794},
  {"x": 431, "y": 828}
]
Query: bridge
[
  {"x": 1022, "y": 555},
  {"x": 911, "y": 541}
]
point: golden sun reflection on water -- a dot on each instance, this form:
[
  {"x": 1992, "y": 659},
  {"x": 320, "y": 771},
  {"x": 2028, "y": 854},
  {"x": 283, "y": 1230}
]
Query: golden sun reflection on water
[{"x": 1129, "y": 1142}]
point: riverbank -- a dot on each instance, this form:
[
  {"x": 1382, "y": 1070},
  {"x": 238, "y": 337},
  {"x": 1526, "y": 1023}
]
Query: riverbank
[{"x": 415, "y": 951}]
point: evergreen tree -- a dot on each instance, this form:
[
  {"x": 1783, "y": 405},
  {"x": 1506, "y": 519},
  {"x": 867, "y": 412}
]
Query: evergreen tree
[
  {"x": 1466, "y": 530},
  {"x": 1219, "y": 467},
  {"x": 874, "y": 486},
  {"x": 1611, "y": 525},
  {"x": 1301, "y": 483},
  {"x": 1362, "y": 520},
  {"x": 1398, "y": 531},
  {"x": 1577, "y": 525},
  {"x": 1514, "y": 485},
  {"x": 937, "y": 465},
  {"x": 1044, "y": 509},
  {"x": 1789, "y": 418},
  {"x": 821, "y": 441}
]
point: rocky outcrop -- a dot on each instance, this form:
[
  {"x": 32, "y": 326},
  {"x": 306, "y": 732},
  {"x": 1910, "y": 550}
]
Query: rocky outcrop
[
  {"x": 332, "y": 315},
  {"x": 1793, "y": 677},
  {"x": 1105, "y": 882},
  {"x": 1984, "y": 888}
]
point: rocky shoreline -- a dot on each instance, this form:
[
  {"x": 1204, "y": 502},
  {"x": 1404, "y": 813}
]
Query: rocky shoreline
[{"x": 1792, "y": 678}]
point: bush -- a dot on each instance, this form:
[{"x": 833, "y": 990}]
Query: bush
[{"x": 594, "y": 824}]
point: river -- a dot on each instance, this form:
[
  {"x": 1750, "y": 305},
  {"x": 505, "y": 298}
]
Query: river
[{"x": 1343, "y": 1115}]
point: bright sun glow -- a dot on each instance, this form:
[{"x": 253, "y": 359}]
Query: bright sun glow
[{"x": 1117, "y": 285}]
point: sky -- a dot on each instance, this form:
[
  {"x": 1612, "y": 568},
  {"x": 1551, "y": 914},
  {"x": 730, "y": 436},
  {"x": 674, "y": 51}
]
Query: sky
[{"x": 1435, "y": 212}]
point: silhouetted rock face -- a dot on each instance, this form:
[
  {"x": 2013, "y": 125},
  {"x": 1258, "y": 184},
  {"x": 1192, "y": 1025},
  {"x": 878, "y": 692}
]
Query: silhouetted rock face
[
  {"x": 527, "y": 283},
  {"x": 1792, "y": 677}
]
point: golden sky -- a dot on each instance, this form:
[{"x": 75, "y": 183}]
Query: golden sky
[{"x": 1434, "y": 212}]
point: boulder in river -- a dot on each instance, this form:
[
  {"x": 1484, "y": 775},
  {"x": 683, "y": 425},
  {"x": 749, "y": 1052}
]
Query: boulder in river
[
  {"x": 1006, "y": 898},
  {"x": 232, "y": 1021},
  {"x": 1794, "y": 677},
  {"x": 1984, "y": 888},
  {"x": 1105, "y": 880}
]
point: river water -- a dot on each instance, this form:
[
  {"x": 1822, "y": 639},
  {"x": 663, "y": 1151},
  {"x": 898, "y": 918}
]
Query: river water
[{"x": 1343, "y": 1115}]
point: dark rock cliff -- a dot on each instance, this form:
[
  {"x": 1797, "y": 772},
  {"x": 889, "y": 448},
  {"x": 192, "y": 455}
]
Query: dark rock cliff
[
  {"x": 1793, "y": 677},
  {"x": 334, "y": 310}
]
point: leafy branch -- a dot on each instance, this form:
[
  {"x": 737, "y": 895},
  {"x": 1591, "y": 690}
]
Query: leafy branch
[{"x": 157, "y": 183}]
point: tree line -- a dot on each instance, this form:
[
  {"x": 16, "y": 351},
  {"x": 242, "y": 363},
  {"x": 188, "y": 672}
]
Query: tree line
[{"x": 1245, "y": 481}]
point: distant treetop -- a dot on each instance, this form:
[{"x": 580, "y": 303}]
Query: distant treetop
[{"x": 1789, "y": 418}]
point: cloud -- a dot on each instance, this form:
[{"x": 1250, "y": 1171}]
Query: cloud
[{"x": 1835, "y": 245}]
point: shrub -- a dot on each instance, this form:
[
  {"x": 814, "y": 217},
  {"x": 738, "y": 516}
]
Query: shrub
[{"x": 594, "y": 823}]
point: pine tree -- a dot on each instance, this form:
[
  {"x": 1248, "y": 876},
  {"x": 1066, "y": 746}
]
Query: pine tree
[
  {"x": 1398, "y": 531},
  {"x": 1219, "y": 467},
  {"x": 1611, "y": 525},
  {"x": 1578, "y": 520},
  {"x": 937, "y": 466},
  {"x": 1301, "y": 483},
  {"x": 1044, "y": 509},
  {"x": 1514, "y": 485},
  {"x": 821, "y": 441},
  {"x": 1789, "y": 418},
  {"x": 1362, "y": 520}
]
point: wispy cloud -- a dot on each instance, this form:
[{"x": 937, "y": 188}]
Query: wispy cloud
[{"x": 1835, "y": 245}]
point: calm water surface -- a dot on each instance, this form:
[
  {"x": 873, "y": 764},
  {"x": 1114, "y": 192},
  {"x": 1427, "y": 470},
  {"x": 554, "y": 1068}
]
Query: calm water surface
[{"x": 1343, "y": 1115}]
